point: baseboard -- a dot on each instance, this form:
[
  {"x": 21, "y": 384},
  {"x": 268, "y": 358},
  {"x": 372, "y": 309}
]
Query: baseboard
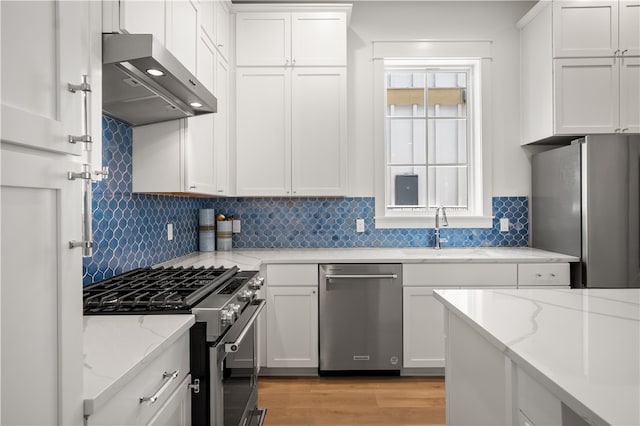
[
  {"x": 285, "y": 371},
  {"x": 429, "y": 371}
]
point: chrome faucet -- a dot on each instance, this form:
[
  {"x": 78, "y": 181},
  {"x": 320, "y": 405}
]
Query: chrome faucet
[{"x": 445, "y": 222}]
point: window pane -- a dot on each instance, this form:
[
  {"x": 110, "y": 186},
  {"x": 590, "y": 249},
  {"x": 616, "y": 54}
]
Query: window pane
[
  {"x": 406, "y": 141},
  {"x": 447, "y": 94},
  {"x": 447, "y": 141},
  {"x": 405, "y": 94},
  {"x": 448, "y": 186},
  {"x": 406, "y": 186}
]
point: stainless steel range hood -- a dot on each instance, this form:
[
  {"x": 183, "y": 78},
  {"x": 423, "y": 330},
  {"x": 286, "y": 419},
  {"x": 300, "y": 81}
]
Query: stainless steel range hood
[{"x": 131, "y": 94}]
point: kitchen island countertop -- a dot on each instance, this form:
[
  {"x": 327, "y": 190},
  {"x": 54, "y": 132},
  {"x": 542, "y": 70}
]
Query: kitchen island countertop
[
  {"x": 117, "y": 347},
  {"x": 583, "y": 345},
  {"x": 249, "y": 259}
]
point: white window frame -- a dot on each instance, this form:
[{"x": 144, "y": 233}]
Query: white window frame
[{"x": 468, "y": 53}]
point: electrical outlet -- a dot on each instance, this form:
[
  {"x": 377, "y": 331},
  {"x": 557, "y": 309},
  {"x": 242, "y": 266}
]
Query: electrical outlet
[
  {"x": 504, "y": 224},
  {"x": 359, "y": 225},
  {"x": 170, "y": 231},
  {"x": 236, "y": 226}
]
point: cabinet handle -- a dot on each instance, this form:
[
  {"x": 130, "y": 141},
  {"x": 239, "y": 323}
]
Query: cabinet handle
[
  {"x": 286, "y": 63},
  {"x": 85, "y": 88},
  {"x": 87, "y": 214},
  {"x": 221, "y": 190},
  {"x": 538, "y": 275},
  {"x": 192, "y": 187},
  {"x": 552, "y": 275},
  {"x": 168, "y": 377},
  {"x": 293, "y": 62},
  {"x": 625, "y": 129},
  {"x": 221, "y": 45},
  {"x": 624, "y": 51},
  {"x": 615, "y": 53},
  {"x": 617, "y": 130}
]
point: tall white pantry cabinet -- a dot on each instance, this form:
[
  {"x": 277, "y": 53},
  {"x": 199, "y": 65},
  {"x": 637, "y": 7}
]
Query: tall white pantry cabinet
[
  {"x": 291, "y": 99},
  {"x": 46, "y": 46}
]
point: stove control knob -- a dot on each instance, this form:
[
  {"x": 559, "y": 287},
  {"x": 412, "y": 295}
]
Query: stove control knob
[
  {"x": 256, "y": 283},
  {"x": 246, "y": 296},
  {"x": 235, "y": 310},
  {"x": 226, "y": 317}
]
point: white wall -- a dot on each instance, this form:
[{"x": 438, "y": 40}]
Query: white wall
[{"x": 449, "y": 20}]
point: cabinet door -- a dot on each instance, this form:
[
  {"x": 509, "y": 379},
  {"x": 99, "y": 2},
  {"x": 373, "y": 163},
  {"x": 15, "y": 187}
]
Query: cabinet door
[
  {"x": 263, "y": 131},
  {"x": 41, "y": 352},
  {"x": 221, "y": 127},
  {"x": 200, "y": 173},
  {"x": 263, "y": 39},
  {"x": 630, "y": 95},
  {"x": 423, "y": 328},
  {"x": 319, "y": 39},
  {"x": 292, "y": 327},
  {"x": 182, "y": 32},
  {"x": 207, "y": 18},
  {"x": 586, "y": 92},
  {"x": 221, "y": 12},
  {"x": 177, "y": 410},
  {"x": 319, "y": 131},
  {"x": 630, "y": 27},
  {"x": 143, "y": 17},
  {"x": 37, "y": 108},
  {"x": 585, "y": 28}
]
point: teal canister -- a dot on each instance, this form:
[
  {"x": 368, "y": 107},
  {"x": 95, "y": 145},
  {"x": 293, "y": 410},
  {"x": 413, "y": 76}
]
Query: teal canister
[{"x": 207, "y": 229}]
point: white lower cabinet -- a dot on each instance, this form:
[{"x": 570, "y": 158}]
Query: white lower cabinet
[
  {"x": 422, "y": 331},
  {"x": 292, "y": 326},
  {"x": 292, "y": 316},
  {"x": 166, "y": 379},
  {"x": 177, "y": 410},
  {"x": 423, "y": 316}
]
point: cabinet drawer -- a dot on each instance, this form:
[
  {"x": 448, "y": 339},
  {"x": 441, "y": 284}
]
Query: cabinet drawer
[
  {"x": 543, "y": 274},
  {"x": 538, "y": 405},
  {"x": 298, "y": 275},
  {"x": 126, "y": 409},
  {"x": 460, "y": 275}
]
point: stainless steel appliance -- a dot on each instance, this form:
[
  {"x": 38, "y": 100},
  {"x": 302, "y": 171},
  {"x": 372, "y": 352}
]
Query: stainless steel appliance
[
  {"x": 223, "y": 360},
  {"x": 144, "y": 83},
  {"x": 360, "y": 318},
  {"x": 586, "y": 202}
]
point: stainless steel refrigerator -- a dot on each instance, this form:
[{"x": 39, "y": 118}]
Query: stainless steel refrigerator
[{"x": 586, "y": 203}]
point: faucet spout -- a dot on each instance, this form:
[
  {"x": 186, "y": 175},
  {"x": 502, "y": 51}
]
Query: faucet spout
[{"x": 438, "y": 241}]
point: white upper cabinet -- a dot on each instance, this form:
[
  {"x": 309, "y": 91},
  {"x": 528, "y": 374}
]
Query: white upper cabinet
[
  {"x": 629, "y": 27},
  {"x": 263, "y": 39},
  {"x": 585, "y": 28},
  {"x": 38, "y": 110},
  {"x": 182, "y": 31},
  {"x": 221, "y": 16},
  {"x": 596, "y": 28},
  {"x": 291, "y": 100},
  {"x": 587, "y": 95},
  {"x": 135, "y": 17},
  {"x": 578, "y": 69},
  {"x": 630, "y": 95},
  {"x": 285, "y": 38},
  {"x": 318, "y": 131},
  {"x": 319, "y": 39}
]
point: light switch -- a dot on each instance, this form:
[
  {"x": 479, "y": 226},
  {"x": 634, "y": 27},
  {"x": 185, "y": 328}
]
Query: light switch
[
  {"x": 236, "y": 226},
  {"x": 359, "y": 225},
  {"x": 504, "y": 224},
  {"x": 169, "y": 231}
]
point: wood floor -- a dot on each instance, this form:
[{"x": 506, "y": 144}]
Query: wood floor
[{"x": 354, "y": 401}]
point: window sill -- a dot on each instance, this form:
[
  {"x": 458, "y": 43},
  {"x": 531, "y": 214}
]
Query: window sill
[{"x": 428, "y": 222}]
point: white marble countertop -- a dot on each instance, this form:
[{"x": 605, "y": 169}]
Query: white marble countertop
[
  {"x": 249, "y": 259},
  {"x": 117, "y": 347},
  {"x": 582, "y": 345}
]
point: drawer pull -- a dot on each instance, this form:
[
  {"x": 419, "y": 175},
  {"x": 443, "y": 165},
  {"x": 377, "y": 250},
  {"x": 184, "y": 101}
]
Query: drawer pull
[
  {"x": 553, "y": 275},
  {"x": 168, "y": 377}
]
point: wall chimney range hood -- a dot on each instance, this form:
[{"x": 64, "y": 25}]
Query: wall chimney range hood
[{"x": 143, "y": 83}]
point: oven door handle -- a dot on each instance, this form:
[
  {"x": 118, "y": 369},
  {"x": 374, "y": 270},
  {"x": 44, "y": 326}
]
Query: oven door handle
[{"x": 230, "y": 347}]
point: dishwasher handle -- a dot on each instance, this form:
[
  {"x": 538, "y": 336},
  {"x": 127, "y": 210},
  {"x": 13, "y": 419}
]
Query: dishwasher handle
[{"x": 359, "y": 276}]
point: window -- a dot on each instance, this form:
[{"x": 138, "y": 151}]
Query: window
[{"x": 432, "y": 142}]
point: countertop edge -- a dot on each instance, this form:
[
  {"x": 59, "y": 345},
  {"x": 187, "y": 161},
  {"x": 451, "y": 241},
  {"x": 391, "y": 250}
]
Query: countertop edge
[
  {"x": 558, "y": 391},
  {"x": 91, "y": 405}
]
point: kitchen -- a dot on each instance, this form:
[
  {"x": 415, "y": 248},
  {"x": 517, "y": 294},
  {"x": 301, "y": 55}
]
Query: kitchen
[{"x": 130, "y": 229}]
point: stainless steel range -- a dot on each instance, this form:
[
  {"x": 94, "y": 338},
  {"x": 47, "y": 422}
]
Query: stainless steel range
[{"x": 223, "y": 341}]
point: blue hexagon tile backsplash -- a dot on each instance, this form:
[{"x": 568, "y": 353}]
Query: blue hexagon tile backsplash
[{"x": 130, "y": 229}]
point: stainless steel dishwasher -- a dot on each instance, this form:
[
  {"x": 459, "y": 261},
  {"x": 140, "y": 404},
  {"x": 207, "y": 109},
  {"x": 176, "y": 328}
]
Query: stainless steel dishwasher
[{"x": 360, "y": 318}]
